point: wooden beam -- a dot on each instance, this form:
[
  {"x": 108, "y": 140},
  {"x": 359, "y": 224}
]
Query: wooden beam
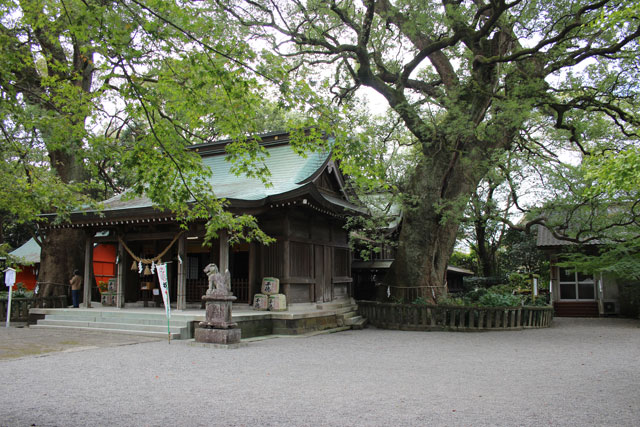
[
  {"x": 165, "y": 235},
  {"x": 253, "y": 256},
  {"x": 223, "y": 237},
  {"x": 121, "y": 276}
]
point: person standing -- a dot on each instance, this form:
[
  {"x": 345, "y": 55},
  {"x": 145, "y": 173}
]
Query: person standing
[{"x": 76, "y": 284}]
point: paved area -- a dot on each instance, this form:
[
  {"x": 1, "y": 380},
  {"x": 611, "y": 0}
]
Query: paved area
[
  {"x": 580, "y": 372},
  {"x": 17, "y": 342}
]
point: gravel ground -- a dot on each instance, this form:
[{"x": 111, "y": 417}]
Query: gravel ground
[{"x": 579, "y": 372}]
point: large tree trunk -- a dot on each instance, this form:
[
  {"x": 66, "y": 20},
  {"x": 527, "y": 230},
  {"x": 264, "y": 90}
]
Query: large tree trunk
[
  {"x": 485, "y": 252},
  {"x": 441, "y": 186},
  {"x": 62, "y": 250},
  {"x": 62, "y": 253}
]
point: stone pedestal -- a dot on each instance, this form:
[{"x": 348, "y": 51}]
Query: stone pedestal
[
  {"x": 218, "y": 327},
  {"x": 218, "y": 336}
]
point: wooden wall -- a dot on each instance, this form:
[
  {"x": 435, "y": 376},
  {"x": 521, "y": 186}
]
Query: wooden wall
[{"x": 311, "y": 256}]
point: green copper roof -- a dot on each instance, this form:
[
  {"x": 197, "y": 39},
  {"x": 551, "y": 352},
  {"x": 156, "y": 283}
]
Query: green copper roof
[
  {"x": 29, "y": 252},
  {"x": 289, "y": 171}
]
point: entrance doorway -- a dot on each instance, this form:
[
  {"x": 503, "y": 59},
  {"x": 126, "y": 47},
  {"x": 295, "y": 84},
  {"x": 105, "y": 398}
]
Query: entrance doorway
[{"x": 239, "y": 269}]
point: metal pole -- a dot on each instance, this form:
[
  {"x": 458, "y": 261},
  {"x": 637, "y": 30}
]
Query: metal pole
[{"x": 9, "y": 307}]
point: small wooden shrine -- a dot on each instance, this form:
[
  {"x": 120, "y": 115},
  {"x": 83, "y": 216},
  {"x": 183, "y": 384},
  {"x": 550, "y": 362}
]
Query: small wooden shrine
[{"x": 304, "y": 209}]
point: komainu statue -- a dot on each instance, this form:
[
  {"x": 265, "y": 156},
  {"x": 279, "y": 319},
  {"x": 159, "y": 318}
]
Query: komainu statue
[{"x": 218, "y": 283}]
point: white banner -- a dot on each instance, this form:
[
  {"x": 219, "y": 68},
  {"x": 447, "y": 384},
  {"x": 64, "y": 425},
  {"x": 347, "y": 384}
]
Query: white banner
[{"x": 164, "y": 287}]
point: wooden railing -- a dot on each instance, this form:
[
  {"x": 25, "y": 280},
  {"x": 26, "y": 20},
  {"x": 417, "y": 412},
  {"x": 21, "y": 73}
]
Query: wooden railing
[
  {"x": 414, "y": 317},
  {"x": 20, "y": 306}
]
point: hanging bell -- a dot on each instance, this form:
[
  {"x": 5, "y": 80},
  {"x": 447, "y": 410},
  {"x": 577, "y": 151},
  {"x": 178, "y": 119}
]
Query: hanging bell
[
  {"x": 134, "y": 266},
  {"x": 147, "y": 272}
]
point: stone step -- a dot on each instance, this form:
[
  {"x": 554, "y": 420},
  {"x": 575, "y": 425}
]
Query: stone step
[
  {"x": 164, "y": 334},
  {"x": 178, "y": 331},
  {"x": 335, "y": 305},
  {"x": 348, "y": 314},
  {"x": 127, "y": 319},
  {"x": 352, "y": 320},
  {"x": 104, "y": 315},
  {"x": 360, "y": 324}
]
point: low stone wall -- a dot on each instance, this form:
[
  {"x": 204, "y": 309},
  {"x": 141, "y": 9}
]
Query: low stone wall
[
  {"x": 282, "y": 324},
  {"x": 413, "y": 317},
  {"x": 20, "y": 307}
]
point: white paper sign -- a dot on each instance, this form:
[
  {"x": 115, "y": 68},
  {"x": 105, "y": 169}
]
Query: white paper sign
[
  {"x": 9, "y": 277},
  {"x": 161, "y": 269}
]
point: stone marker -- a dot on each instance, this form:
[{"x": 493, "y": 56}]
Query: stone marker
[{"x": 218, "y": 327}]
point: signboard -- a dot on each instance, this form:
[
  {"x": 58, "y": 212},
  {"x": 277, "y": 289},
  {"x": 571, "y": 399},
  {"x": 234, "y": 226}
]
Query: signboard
[{"x": 9, "y": 277}]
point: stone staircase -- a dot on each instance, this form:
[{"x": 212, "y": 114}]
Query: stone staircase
[
  {"x": 346, "y": 313},
  {"x": 122, "y": 322}
]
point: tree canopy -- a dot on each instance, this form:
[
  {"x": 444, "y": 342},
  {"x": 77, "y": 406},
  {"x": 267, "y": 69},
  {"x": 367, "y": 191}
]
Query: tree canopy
[
  {"x": 102, "y": 95},
  {"x": 469, "y": 81}
]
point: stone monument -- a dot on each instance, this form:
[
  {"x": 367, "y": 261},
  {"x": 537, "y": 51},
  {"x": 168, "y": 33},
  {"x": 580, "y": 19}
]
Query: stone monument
[{"x": 218, "y": 327}]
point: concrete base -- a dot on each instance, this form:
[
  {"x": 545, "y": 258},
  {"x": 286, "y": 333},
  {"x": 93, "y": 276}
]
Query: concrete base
[{"x": 218, "y": 336}]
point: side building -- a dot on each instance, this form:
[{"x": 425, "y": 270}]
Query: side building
[{"x": 577, "y": 294}]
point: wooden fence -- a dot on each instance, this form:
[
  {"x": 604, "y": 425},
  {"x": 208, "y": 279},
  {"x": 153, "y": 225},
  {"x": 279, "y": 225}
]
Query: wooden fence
[
  {"x": 20, "y": 306},
  {"x": 414, "y": 317}
]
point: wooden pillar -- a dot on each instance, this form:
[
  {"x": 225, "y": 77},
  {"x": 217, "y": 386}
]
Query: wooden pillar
[
  {"x": 121, "y": 275},
  {"x": 88, "y": 270},
  {"x": 253, "y": 257},
  {"x": 224, "y": 251},
  {"x": 181, "y": 300},
  {"x": 286, "y": 260}
]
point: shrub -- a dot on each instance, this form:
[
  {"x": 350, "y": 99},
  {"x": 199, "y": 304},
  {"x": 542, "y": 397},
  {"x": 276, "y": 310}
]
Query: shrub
[
  {"x": 508, "y": 289},
  {"x": 540, "y": 301},
  {"x": 476, "y": 294},
  {"x": 453, "y": 301},
  {"x": 491, "y": 299}
]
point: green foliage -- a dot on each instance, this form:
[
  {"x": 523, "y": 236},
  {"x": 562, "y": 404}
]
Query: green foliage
[
  {"x": 519, "y": 253},
  {"x": 464, "y": 260},
  {"x": 506, "y": 295},
  {"x": 506, "y": 289},
  {"x": 97, "y": 98},
  {"x": 528, "y": 89},
  {"x": 491, "y": 299},
  {"x": 21, "y": 292},
  {"x": 454, "y": 301},
  {"x": 421, "y": 301},
  {"x": 537, "y": 302}
]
